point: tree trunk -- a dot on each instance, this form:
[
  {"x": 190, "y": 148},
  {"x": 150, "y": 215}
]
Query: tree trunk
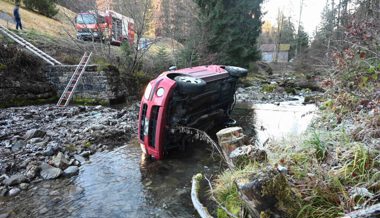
[{"x": 202, "y": 210}]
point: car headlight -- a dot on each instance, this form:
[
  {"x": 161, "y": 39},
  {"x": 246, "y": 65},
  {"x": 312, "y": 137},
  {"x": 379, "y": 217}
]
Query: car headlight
[
  {"x": 146, "y": 126},
  {"x": 160, "y": 92},
  {"x": 147, "y": 91}
]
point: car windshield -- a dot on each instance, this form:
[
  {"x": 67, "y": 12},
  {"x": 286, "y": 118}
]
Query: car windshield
[{"x": 86, "y": 19}]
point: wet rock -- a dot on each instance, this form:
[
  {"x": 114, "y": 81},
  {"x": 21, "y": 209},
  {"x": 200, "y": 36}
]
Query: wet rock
[
  {"x": 51, "y": 149},
  {"x": 71, "y": 171},
  {"x": 248, "y": 153},
  {"x": 43, "y": 210},
  {"x": 6, "y": 143},
  {"x": 35, "y": 140},
  {"x": 49, "y": 172},
  {"x": 15, "y": 180},
  {"x": 56, "y": 200},
  {"x": 34, "y": 133},
  {"x": 60, "y": 161},
  {"x": 54, "y": 193},
  {"x": 41, "y": 144},
  {"x": 86, "y": 154},
  {"x": 18, "y": 145},
  {"x": 32, "y": 170},
  {"x": 25, "y": 163},
  {"x": 3, "y": 177},
  {"x": 14, "y": 192},
  {"x": 24, "y": 186},
  {"x": 4, "y": 215},
  {"x": 3, "y": 191}
]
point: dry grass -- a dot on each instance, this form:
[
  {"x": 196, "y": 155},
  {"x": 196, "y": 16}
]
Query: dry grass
[{"x": 32, "y": 21}]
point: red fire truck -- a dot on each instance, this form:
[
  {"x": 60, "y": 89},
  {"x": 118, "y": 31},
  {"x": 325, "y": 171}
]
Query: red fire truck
[{"x": 102, "y": 26}]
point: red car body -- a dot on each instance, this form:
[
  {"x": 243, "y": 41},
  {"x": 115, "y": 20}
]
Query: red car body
[{"x": 169, "y": 101}]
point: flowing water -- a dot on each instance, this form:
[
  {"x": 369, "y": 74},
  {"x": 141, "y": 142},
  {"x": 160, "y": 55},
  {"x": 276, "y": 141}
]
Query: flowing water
[{"x": 121, "y": 183}]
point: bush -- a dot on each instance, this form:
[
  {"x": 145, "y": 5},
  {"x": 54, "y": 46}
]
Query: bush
[{"x": 45, "y": 7}]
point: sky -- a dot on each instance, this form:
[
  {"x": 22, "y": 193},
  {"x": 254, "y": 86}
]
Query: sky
[{"x": 311, "y": 14}]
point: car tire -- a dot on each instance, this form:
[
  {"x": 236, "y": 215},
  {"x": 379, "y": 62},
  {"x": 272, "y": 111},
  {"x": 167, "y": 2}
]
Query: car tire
[
  {"x": 188, "y": 84},
  {"x": 236, "y": 71}
]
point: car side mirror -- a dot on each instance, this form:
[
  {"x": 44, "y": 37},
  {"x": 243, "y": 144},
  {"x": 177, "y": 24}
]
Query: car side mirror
[{"x": 172, "y": 68}]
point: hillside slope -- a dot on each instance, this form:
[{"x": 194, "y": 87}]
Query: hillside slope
[
  {"x": 32, "y": 21},
  {"x": 56, "y": 36}
]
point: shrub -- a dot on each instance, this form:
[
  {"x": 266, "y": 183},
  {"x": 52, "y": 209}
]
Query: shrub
[{"x": 45, "y": 7}]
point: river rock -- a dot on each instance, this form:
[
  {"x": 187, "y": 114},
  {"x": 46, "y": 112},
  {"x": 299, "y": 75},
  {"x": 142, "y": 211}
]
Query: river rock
[
  {"x": 3, "y": 177},
  {"x": 60, "y": 161},
  {"x": 24, "y": 186},
  {"x": 49, "y": 172},
  {"x": 32, "y": 170},
  {"x": 14, "y": 192},
  {"x": 18, "y": 145},
  {"x": 86, "y": 154},
  {"x": 35, "y": 140},
  {"x": 34, "y": 133},
  {"x": 44, "y": 210},
  {"x": 71, "y": 171},
  {"x": 15, "y": 180},
  {"x": 3, "y": 191},
  {"x": 51, "y": 149},
  {"x": 248, "y": 153}
]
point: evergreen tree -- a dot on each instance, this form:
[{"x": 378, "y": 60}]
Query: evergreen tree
[
  {"x": 45, "y": 7},
  {"x": 231, "y": 28}
]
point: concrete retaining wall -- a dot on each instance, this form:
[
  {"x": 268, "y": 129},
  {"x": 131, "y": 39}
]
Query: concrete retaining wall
[{"x": 104, "y": 86}]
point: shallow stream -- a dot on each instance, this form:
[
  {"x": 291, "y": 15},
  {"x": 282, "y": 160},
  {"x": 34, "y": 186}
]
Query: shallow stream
[{"x": 121, "y": 183}]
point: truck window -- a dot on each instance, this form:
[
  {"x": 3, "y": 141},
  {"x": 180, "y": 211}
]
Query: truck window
[
  {"x": 101, "y": 19},
  {"x": 86, "y": 19}
]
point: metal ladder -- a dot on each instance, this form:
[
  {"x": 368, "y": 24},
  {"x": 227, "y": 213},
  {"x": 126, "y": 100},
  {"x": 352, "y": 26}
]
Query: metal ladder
[
  {"x": 73, "y": 82},
  {"x": 29, "y": 46}
]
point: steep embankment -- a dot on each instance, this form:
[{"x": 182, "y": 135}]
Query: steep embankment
[
  {"x": 20, "y": 79},
  {"x": 56, "y": 36},
  {"x": 32, "y": 21}
]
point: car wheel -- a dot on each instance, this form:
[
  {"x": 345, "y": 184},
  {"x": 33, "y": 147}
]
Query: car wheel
[
  {"x": 236, "y": 71},
  {"x": 188, "y": 84}
]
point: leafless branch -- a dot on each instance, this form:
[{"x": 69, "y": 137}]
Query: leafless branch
[{"x": 214, "y": 199}]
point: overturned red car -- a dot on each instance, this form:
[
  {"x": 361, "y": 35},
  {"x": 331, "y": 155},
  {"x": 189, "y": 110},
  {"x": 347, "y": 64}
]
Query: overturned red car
[{"x": 199, "y": 97}]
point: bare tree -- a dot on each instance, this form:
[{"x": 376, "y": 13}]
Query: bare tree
[{"x": 141, "y": 12}]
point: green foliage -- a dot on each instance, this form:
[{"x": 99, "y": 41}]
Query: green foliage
[
  {"x": 45, "y": 7},
  {"x": 3, "y": 67},
  {"x": 269, "y": 88},
  {"x": 138, "y": 81},
  {"x": 187, "y": 57},
  {"x": 231, "y": 29},
  {"x": 227, "y": 193},
  {"x": 320, "y": 147},
  {"x": 162, "y": 60},
  {"x": 87, "y": 145},
  {"x": 90, "y": 101},
  {"x": 70, "y": 148}
]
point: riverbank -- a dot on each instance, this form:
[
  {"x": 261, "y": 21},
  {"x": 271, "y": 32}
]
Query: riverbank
[
  {"x": 330, "y": 170},
  {"x": 46, "y": 142}
]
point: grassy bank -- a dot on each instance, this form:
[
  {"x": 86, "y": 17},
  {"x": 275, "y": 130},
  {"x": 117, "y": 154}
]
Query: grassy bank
[{"x": 329, "y": 172}]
